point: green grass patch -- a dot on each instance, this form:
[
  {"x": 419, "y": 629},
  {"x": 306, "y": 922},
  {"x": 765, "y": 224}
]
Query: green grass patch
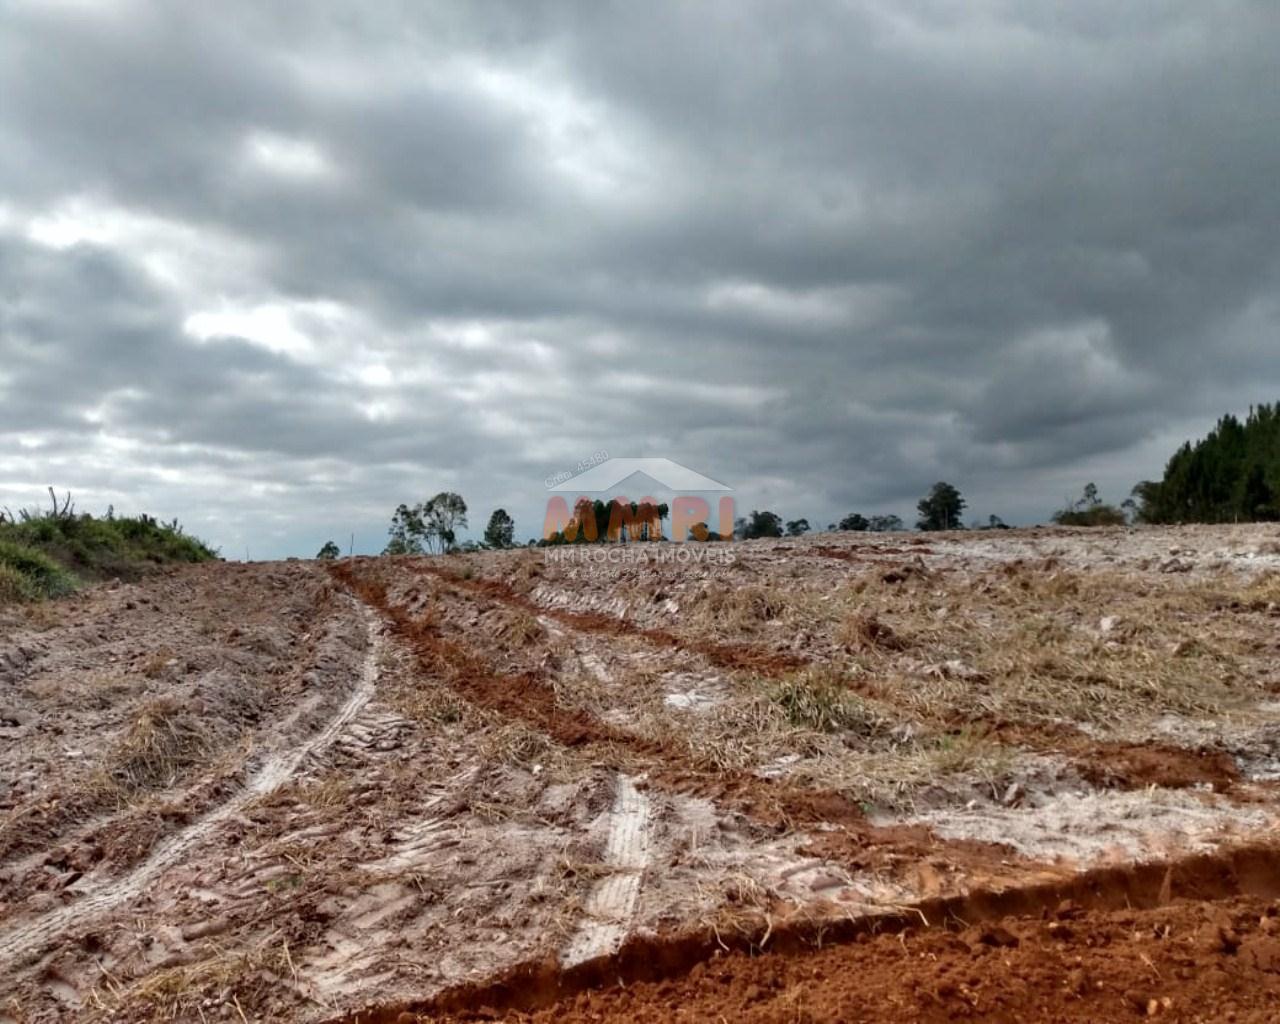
[
  {"x": 14, "y": 587},
  {"x": 818, "y": 700},
  {"x": 32, "y": 574}
]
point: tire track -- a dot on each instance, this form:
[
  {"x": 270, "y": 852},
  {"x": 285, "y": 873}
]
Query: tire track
[
  {"x": 27, "y": 941},
  {"x": 839, "y": 825},
  {"x": 612, "y": 901}
]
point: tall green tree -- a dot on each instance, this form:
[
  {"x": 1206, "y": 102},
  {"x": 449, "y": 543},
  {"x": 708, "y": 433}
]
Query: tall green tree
[
  {"x": 1258, "y": 500},
  {"x": 443, "y": 516},
  {"x": 797, "y": 527},
  {"x": 427, "y": 527},
  {"x": 1232, "y": 474},
  {"x": 501, "y": 529},
  {"x": 406, "y": 532},
  {"x": 940, "y": 509}
]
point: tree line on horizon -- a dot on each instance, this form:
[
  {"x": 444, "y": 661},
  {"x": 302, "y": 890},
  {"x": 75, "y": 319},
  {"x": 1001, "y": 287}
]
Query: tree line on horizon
[
  {"x": 1230, "y": 475},
  {"x": 431, "y": 526}
]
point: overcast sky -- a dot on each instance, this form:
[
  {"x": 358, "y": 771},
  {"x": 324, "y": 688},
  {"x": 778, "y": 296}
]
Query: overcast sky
[{"x": 274, "y": 268}]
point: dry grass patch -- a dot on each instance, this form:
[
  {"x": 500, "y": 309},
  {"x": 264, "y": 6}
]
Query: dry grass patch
[
  {"x": 808, "y": 714},
  {"x": 1037, "y": 642},
  {"x": 242, "y": 980},
  {"x": 745, "y": 735},
  {"x": 893, "y": 778},
  {"x": 334, "y": 790},
  {"x": 722, "y": 609},
  {"x": 156, "y": 750},
  {"x": 737, "y": 735},
  {"x": 516, "y": 744},
  {"x": 519, "y": 628},
  {"x": 598, "y": 692},
  {"x": 1144, "y": 669},
  {"x": 1138, "y": 683},
  {"x": 434, "y": 704},
  {"x": 1262, "y": 593},
  {"x": 154, "y": 664},
  {"x": 863, "y": 631},
  {"x": 581, "y": 691},
  {"x": 965, "y": 751},
  {"x": 736, "y": 609}
]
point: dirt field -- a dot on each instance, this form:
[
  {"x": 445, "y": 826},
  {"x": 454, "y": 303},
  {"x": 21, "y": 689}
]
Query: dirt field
[{"x": 1024, "y": 775}]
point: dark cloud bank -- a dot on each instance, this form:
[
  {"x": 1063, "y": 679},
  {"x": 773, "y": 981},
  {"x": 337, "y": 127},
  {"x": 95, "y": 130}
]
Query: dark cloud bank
[{"x": 275, "y": 269}]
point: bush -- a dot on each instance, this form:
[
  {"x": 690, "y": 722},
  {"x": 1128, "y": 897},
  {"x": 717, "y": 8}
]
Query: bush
[
  {"x": 1099, "y": 515},
  {"x": 1089, "y": 510},
  {"x": 37, "y": 575},
  {"x": 14, "y": 587},
  {"x": 759, "y": 524}
]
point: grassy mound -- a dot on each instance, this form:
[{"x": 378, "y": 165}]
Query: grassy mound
[{"x": 48, "y": 555}]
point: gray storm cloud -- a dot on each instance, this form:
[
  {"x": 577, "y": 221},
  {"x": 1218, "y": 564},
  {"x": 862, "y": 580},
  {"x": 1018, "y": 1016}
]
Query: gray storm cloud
[{"x": 276, "y": 268}]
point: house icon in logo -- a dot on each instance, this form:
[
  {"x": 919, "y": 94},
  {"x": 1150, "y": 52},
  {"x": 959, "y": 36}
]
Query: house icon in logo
[
  {"x": 611, "y": 472},
  {"x": 689, "y": 513}
]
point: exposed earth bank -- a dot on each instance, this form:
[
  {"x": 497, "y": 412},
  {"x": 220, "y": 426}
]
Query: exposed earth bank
[{"x": 1186, "y": 962}]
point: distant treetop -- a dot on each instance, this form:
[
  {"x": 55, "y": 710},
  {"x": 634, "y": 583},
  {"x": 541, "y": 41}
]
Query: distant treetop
[
  {"x": 940, "y": 509},
  {"x": 1232, "y": 475}
]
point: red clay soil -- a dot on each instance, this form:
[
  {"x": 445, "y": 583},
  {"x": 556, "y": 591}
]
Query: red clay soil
[
  {"x": 1181, "y": 963},
  {"x": 1115, "y": 765},
  {"x": 1196, "y": 941},
  {"x": 1133, "y": 767}
]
